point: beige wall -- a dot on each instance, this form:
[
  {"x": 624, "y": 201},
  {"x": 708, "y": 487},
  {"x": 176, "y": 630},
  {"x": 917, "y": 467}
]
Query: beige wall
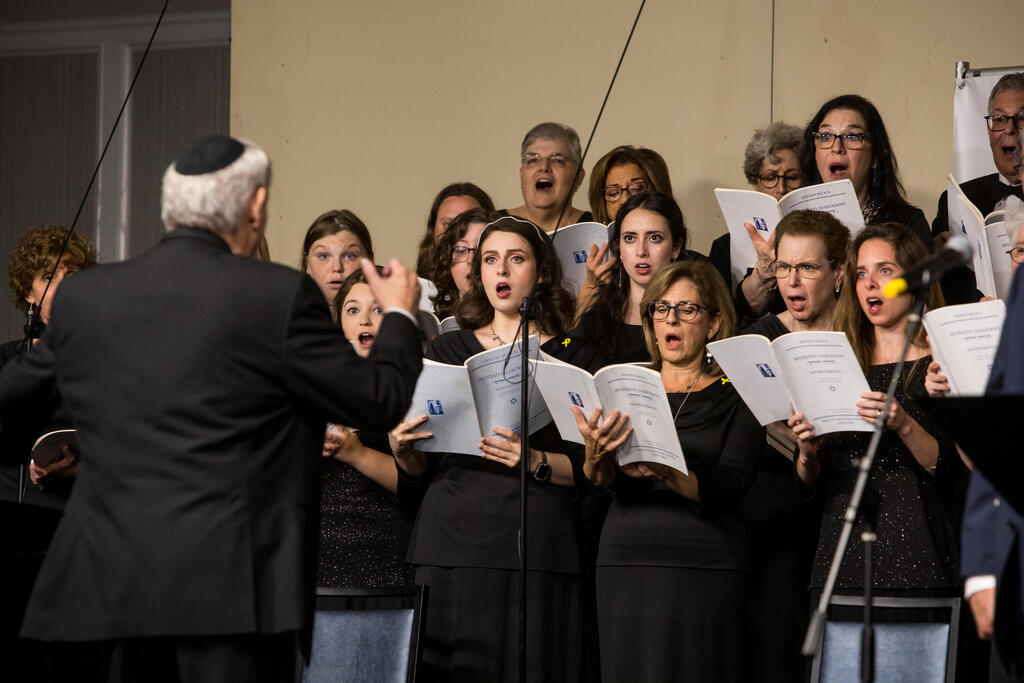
[{"x": 374, "y": 106}]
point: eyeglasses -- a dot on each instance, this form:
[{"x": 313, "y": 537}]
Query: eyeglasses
[
  {"x": 686, "y": 311},
  {"x": 532, "y": 160},
  {"x": 461, "y": 254},
  {"x": 1017, "y": 254},
  {"x": 849, "y": 140},
  {"x": 769, "y": 182},
  {"x": 613, "y": 192},
  {"x": 807, "y": 271},
  {"x": 997, "y": 122}
]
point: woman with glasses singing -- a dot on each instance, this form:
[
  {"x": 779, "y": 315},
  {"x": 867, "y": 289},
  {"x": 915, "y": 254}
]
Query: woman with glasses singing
[
  {"x": 672, "y": 558},
  {"x": 810, "y": 258},
  {"x": 846, "y": 139},
  {"x": 452, "y": 200},
  {"x": 771, "y": 165},
  {"x": 618, "y": 175},
  {"x": 453, "y": 257},
  {"x": 649, "y": 235},
  {"x": 549, "y": 174}
]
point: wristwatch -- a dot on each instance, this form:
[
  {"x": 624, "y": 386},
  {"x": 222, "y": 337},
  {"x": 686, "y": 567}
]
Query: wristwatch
[{"x": 543, "y": 471}]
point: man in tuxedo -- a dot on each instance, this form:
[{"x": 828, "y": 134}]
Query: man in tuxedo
[
  {"x": 200, "y": 382},
  {"x": 1005, "y": 102}
]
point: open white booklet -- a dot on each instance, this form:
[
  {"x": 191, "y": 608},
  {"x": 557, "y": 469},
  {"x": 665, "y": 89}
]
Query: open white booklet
[
  {"x": 964, "y": 340},
  {"x": 629, "y": 388},
  {"x": 991, "y": 263},
  {"x": 431, "y": 326},
  {"x": 465, "y": 402},
  {"x": 816, "y": 372},
  {"x": 764, "y": 212},
  {"x": 572, "y": 245}
]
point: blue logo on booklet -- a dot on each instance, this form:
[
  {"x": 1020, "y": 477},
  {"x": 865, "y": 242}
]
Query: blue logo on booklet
[
  {"x": 761, "y": 224},
  {"x": 575, "y": 398},
  {"x": 434, "y": 407},
  {"x": 580, "y": 256},
  {"x": 765, "y": 369}
]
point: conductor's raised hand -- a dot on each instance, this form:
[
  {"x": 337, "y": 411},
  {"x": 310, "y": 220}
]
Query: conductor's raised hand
[
  {"x": 602, "y": 438},
  {"x": 395, "y": 286}
]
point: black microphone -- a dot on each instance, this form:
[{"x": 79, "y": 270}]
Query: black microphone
[{"x": 956, "y": 253}]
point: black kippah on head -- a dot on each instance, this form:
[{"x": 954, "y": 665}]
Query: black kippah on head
[{"x": 209, "y": 154}]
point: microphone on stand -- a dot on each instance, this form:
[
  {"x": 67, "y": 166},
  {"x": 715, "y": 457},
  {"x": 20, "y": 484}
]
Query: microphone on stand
[{"x": 958, "y": 252}]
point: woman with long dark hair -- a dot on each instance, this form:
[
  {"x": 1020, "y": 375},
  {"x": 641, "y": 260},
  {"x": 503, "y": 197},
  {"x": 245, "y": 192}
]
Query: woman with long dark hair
[{"x": 464, "y": 540}]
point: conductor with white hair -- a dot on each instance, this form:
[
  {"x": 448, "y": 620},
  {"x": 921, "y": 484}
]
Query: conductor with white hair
[{"x": 200, "y": 382}]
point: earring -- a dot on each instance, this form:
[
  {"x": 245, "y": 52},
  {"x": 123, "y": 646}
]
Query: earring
[
  {"x": 838, "y": 287},
  {"x": 707, "y": 356}
]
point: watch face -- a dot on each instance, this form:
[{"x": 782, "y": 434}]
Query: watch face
[{"x": 542, "y": 472}]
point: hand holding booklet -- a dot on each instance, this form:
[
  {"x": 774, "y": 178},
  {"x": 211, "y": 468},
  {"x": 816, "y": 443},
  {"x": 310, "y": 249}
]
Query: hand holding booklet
[
  {"x": 572, "y": 245},
  {"x": 633, "y": 390},
  {"x": 816, "y": 372},
  {"x": 465, "y": 402},
  {"x": 764, "y": 213},
  {"x": 964, "y": 340}
]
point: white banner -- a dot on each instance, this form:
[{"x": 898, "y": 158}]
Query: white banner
[{"x": 972, "y": 155}]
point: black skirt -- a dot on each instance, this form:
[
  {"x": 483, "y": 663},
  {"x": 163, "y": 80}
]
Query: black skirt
[
  {"x": 670, "y": 624},
  {"x": 472, "y": 628}
]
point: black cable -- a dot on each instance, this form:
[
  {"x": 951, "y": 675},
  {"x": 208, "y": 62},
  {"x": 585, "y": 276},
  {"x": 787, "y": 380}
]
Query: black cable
[
  {"x": 34, "y": 321},
  {"x": 30, "y": 329}
]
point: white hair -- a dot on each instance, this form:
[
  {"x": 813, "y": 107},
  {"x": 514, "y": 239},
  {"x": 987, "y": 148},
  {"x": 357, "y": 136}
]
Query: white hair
[{"x": 216, "y": 201}]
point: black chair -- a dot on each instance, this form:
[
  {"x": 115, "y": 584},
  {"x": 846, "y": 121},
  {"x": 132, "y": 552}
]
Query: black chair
[
  {"x": 368, "y": 636},
  {"x": 915, "y": 640}
]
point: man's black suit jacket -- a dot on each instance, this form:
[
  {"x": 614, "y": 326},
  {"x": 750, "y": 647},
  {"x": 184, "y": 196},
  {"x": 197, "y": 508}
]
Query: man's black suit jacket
[{"x": 200, "y": 383}]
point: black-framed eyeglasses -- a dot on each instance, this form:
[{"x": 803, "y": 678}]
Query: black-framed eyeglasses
[
  {"x": 997, "y": 122},
  {"x": 849, "y": 140},
  {"x": 686, "y": 311},
  {"x": 807, "y": 271},
  {"x": 771, "y": 181},
  {"x": 461, "y": 254},
  {"x": 1017, "y": 254},
  {"x": 532, "y": 160},
  {"x": 613, "y": 192}
]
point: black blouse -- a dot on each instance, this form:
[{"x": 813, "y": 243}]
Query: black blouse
[
  {"x": 469, "y": 515},
  {"x": 650, "y": 525}
]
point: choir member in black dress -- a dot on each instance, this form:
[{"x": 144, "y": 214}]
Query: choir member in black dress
[
  {"x": 364, "y": 532},
  {"x": 671, "y": 569},
  {"x": 917, "y": 466},
  {"x": 618, "y": 175},
  {"x": 550, "y": 173},
  {"x": 450, "y": 202},
  {"x": 29, "y": 527},
  {"x": 649, "y": 235},
  {"x": 810, "y": 258},
  {"x": 331, "y": 250},
  {"x": 464, "y": 539},
  {"x": 846, "y": 139},
  {"x": 771, "y": 165},
  {"x": 453, "y": 257}
]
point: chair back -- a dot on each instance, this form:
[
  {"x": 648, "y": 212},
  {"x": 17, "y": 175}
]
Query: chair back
[
  {"x": 915, "y": 640},
  {"x": 369, "y": 636}
]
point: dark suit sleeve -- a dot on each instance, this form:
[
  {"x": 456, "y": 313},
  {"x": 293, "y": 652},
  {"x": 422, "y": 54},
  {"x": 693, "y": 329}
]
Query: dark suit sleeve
[
  {"x": 26, "y": 401},
  {"x": 941, "y": 222},
  {"x": 323, "y": 370},
  {"x": 983, "y": 520}
]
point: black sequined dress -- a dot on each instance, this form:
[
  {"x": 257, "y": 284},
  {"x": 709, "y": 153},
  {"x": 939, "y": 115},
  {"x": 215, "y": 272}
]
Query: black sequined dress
[
  {"x": 916, "y": 550},
  {"x": 364, "y": 532}
]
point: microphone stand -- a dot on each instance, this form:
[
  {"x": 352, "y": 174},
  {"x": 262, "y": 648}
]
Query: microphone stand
[
  {"x": 813, "y": 640},
  {"x": 526, "y": 314}
]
